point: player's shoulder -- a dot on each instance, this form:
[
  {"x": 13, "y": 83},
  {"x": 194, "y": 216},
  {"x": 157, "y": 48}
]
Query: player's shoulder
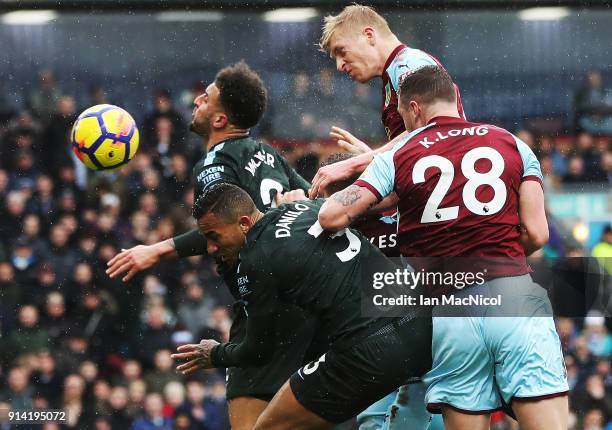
[
  {"x": 287, "y": 225},
  {"x": 406, "y": 61}
]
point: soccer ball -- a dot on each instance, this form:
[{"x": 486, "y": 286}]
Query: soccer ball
[{"x": 104, "y": 137}]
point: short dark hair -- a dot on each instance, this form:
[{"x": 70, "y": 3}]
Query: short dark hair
[
  {"x": 226, "y": 201},
  {"x": 427, "y": 84},
  {"x": 243, "y": 95}
]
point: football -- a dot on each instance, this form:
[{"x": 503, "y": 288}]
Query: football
[{"x": 104, "y": 137}]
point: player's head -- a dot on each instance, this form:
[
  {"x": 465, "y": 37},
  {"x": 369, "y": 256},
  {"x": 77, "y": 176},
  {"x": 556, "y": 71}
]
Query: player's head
[
  {"x": 425, "y": 93},
  {"x": 236, "y": 100},
  {"x": 225, "y": 213},
  {"x": 353, "y": 38}
]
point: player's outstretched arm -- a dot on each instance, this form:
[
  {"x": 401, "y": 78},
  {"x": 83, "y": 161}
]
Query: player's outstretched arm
[
  {"x": 532, "y": 214},
  {"x": 342, "y": 208},
  {"x": 346, "y": 169},
  {"x": 255, "y": 350},
  {"x": 138, "y": 258}
]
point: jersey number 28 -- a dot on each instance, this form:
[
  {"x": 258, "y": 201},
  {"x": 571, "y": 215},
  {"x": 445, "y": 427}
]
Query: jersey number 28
[{"x": 434, "y": 213}]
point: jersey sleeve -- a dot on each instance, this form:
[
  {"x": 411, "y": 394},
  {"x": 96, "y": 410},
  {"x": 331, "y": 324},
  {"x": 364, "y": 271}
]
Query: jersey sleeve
[
  {"x": 379, "y": 177},
  {"x": 260, "y": 296},
  {"x": 531, "y": 165},
  {"x": 407, "y": 62},
  {"x": 256, "y": 349}
]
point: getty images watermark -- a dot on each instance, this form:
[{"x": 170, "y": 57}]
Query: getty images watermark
[{"x": 422, "y": 279}]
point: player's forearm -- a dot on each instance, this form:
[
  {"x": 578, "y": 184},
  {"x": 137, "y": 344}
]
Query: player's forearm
[
  {"x": 534, "y": 242},
  {"x": 532, "y": 216},
  {"x": 254, "y": 351},
  {"x": 333, "y": 217},
  {"x": 165, "y": 248},
  {"x": 189, "y": 243},
  {"x": 344, "y": 207},
  {"x": 361, "y": 161}
]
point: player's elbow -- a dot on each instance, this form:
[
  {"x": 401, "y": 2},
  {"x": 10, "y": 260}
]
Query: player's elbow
[
  {"x": 330, "y": 220},
  {"x": 539, "y": 237},
  {"x": 534, "y": 238}
]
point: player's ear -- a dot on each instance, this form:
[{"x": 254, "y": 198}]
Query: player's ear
[
  {"x": 220, "y": 120},
  {"x": 370, "y": 34},
  {"x": 245, "y": 223},
  {"x": 414, "y": 107}
]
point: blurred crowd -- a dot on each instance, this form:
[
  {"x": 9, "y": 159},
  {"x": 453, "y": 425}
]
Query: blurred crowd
[{"x": 72, "y": 338}]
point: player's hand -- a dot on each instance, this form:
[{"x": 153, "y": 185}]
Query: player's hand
[
  {"x": 347, "y": 141},
  {"x": 328, "y": 175},
  {"x": 132, "y": 261},
  {"x": 198, "y": 354},
  {"x": 289, "y": 196}
]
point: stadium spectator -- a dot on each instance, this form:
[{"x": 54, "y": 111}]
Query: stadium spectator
[
  {"x": 18, "y": 391},
  {"x": 153, "y": 418},
  {"x": 196, "y": 308},
  {"x": 46, "y": 380},
  {"x": 163, "y": 108},
  {"x": 174, "y": 396},
  {"x": 79, "y": 411},
  {"x": 10, "y": 292},
  {"x": 156, "y": 334},
  {"x": 118, "y": 401},
  {"x": 603, "y": 250},
  {"x": 363, "y": 116},
  {"x": 55, "y": 319},
  {"x": 201, "y": 411},
  {"x": 575, "y": 171},
  {"x": 61, "y": 255},
  {"x": 593, "y": 105},
  {"x": 43, "y": 99},
  {"x": 162, "y": 374},
  {"x": 28, "y": 336},
  {"x": 585, "y": 145},
  {"x": 57, "y": 135}
]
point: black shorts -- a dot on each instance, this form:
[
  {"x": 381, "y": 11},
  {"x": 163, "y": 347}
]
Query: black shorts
[
  {"x": 346, "y": 380},
  {"x": 293, "y": 335}
]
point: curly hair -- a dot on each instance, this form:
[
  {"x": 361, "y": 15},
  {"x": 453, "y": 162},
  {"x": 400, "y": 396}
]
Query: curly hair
[{"x": 243, "y": 95}]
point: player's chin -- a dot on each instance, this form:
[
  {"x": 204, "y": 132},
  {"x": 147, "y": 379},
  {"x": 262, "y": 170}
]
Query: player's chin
[{"x": 194, "y": 128}]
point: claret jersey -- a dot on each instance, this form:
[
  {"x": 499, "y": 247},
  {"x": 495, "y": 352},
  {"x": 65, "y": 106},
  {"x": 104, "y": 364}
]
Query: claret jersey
[
  {"x": 402, "y": 62},
  {"x": 458, "y": 187}
]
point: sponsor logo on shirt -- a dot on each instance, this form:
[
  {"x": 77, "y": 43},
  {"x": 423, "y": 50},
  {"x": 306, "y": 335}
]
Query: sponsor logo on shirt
[
  {"x": 210, "y": 175},
  {"x": 243, "y": 289},
  {"x": 387, "y": 94}
]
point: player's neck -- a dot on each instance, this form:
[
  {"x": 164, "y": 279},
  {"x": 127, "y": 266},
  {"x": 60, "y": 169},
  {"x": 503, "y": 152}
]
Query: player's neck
[
  {"x": 387, "y": 46},
  {"x": 215, "y": 138},
  {"x": 441, "y": 109}
]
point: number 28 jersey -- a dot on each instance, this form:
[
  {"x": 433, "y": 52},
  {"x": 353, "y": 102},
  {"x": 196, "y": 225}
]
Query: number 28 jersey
[{"x": 458, "y": 187}]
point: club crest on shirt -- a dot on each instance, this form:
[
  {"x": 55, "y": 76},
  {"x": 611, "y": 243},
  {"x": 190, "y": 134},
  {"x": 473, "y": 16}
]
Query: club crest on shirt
[{"x": 387, "y": 94}]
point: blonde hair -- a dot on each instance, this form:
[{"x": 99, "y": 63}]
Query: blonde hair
[{"x": 354, "y": 16}]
